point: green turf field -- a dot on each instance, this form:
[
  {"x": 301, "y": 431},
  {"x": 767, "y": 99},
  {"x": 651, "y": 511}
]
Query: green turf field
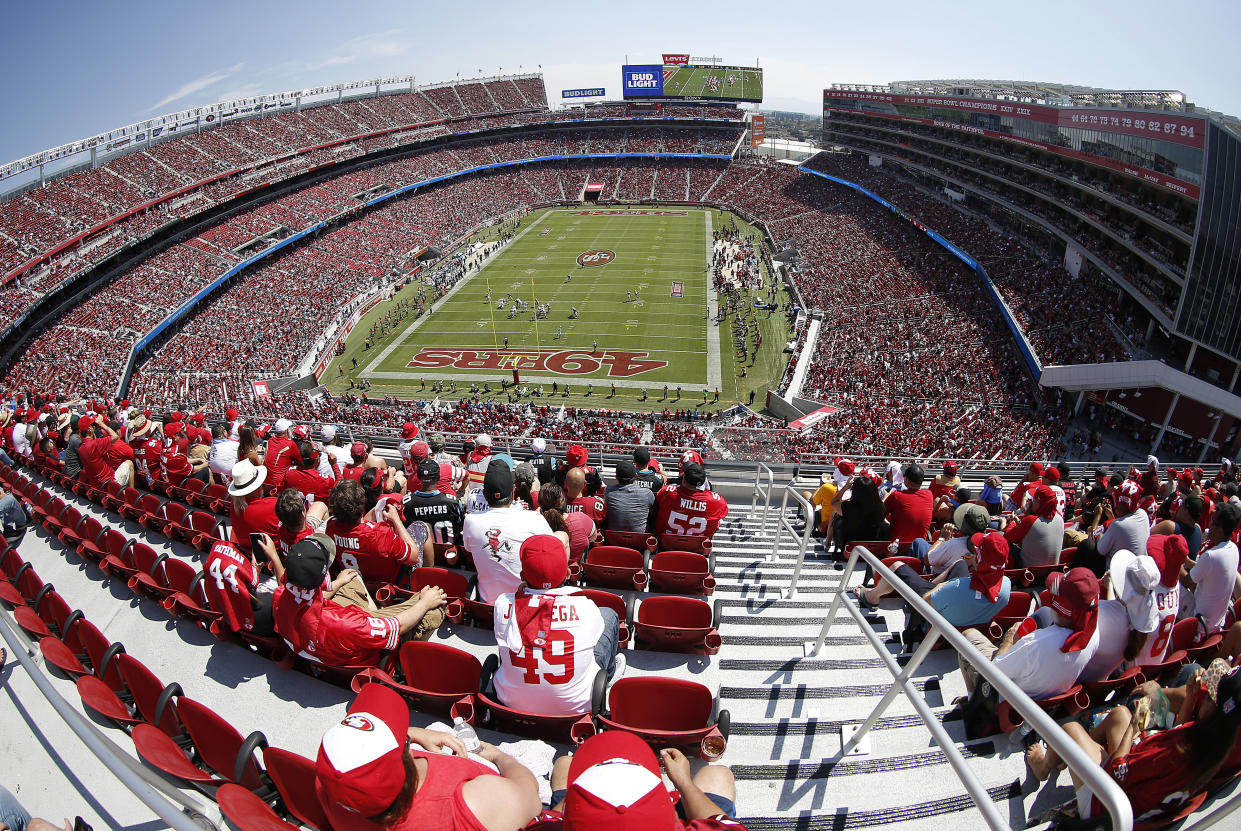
[
  {"x": 695, "y": 82},
  {"x": 638, "y": 342}
]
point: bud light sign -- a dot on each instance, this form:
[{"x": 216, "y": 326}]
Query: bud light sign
[
  {"x": 593, "y": 92},
  {"x": 645, "y": 81}
]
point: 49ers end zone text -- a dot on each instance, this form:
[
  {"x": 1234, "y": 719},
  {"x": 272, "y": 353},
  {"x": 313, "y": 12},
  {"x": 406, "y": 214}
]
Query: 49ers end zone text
[{"x": 558, "y": 361}]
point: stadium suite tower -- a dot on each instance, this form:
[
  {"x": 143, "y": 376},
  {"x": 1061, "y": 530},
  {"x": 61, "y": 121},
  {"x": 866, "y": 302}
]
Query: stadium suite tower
[{"x": 1139, "y": 188}]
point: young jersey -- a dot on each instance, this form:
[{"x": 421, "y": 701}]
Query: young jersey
[
  {"x": 433, "y": 515},
  {"x": 1168, "y": 602},
  {"x": 692, "y": 513},
  {"x": 230, "y": 579},
  {"x": 372, "y": 549},
  {"x": 559, "y": 678},
  {"x": 326, "y": 632}
]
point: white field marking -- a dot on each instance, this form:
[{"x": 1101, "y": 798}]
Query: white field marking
[
  {"x": 417, "y": 322},
  {"x": 715, "y": 372}
]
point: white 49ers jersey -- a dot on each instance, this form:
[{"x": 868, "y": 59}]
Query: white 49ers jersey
[{"x": 558, "y": 679}]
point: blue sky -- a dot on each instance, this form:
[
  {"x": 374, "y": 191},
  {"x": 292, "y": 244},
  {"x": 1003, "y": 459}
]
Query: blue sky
[{"x": 75, "y": 69}]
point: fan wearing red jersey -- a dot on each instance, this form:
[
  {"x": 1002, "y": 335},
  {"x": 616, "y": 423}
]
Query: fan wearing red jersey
[
  {"x": 688, "y": 510},
  {"x": 553, "y": 641},
  {"x": 377, "y": 551},
  {"x": 250, "y": 514},
  {"x": 305, "y": 475},
  {"x": 282, "y": 452},
  {"x": 320, "y": 628},
  {"x": 574, "y": 488},
  {"x": 231, "y": 584},
  {"x": 297, "y": 520}
]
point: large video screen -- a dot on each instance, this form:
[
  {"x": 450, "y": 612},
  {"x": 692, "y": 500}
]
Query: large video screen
[{"x": 724, "y": 83}]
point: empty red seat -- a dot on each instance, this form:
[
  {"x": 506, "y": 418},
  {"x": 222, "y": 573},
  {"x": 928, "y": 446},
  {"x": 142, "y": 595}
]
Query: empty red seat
[
  {"x": 220, "y": 747},
  {"x": 119, "y": 560},
  {"x": 438, "y": 678},
  {"x": 188, "y": 598},
  {"x": 685, "y": 572},
  {"x": 575, "y": 728},
  {"x": 130, "y": 506},
  {"x": 161, "y": 752},
  {"x": 247, "y": 812},
  {"x": 170, "y": 515},
  {"x": 207, "y": 530},
  {"x": 683, "y": 542},
  {"x": 607, "y": 600},
  {"x": 149, "y": 577},
  {"x": 614, "y": 567},
  {"x": 1019, "y": 606},
  {"x": 90, "y": 539},
  {"x": 637, "y": 540},
  {"x": 69, "y": 523},
  {"x": 154, "y": 700},
  {"x": 1189, "y": 636},
  {"x": 668, "y": 712},
  {"x": 677, "y": 624},
  {"x": 294, "y": 777}
]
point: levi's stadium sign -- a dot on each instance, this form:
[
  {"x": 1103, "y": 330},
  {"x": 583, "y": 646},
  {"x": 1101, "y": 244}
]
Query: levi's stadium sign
[
  {"x": 590, "y": 92},
  {"x": 676, "y": 60}
]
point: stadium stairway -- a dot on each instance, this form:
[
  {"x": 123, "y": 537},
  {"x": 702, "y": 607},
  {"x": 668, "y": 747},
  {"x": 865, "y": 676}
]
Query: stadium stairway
[{"x": 787, "y": 710}]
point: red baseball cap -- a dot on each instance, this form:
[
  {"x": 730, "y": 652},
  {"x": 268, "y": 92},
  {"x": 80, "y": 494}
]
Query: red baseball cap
[
  {"x": 1076, "y": 596},
  {"x": 1170, "y": 551},
  {"x": 845, "y": 466},
  {"x": 419, "y": 450},
  {"x": 576, "y": 455},
  {"x": 198, "y": 418},
  {"x": 359, "y": 766},
  {"x": 358, "y": 450},
  {"x": 950, "y": 467},
  {"x": 409, "y": 430},
  {"x": 987, "y": 563},
  {"x": 231, "y": 414},
  {"x": 615, "y": 785},
  {"x": 262, "y": 430},
  {"x": 85, "y": 422},
  {"x": 1052, "y": 473},
  {"x": 544, "y": 562},
  {"x": 177, "y": 416},
  {"x": 1037, "y": 467},
  {"x": 1045, "y": 500},
  {"x": 173, "y": 428}
]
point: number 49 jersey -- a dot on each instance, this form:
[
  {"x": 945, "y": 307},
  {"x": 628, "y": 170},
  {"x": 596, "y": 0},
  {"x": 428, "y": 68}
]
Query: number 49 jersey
[
  {"x": 230, "y": 578},
  {"x": 693, "y": 513},
  {"x": 559, "y": 678}
]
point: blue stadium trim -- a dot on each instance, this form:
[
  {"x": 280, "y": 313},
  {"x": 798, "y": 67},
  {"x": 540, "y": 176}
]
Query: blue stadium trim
[{"x": 1023, "y": 346}]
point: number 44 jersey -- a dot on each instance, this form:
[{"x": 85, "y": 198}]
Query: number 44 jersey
[
  {"x": 228, "y": 584},
  {"x": 689, "y": 512},
  {"x": 556, "y": 679}
]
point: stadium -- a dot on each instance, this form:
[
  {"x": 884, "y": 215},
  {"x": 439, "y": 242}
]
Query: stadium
[{"x": 1029, "y": 287}]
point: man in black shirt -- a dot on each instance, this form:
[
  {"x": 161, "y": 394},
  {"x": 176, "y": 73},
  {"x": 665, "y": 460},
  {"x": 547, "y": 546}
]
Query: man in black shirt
[
  {"x": 429, "y": 513},
  {"x": 647, "y": 473},
  {"x": 543, "y": 461}
]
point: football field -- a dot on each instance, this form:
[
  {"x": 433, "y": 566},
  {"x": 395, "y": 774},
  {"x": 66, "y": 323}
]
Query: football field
[
  {"x": 713, "y": 82},
  {"x": 627, "y": 311}
]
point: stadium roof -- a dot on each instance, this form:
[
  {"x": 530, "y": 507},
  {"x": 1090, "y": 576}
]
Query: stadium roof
[{"x": 1036, "y": 92}]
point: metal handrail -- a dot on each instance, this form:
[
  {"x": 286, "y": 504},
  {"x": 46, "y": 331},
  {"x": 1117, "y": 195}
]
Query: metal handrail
[
  {"x": 149, "y": 789},
  {"x": 783, "y": 524},
  {"x": 1102, "y": 785},
  {"x": 766, "y": 494}
]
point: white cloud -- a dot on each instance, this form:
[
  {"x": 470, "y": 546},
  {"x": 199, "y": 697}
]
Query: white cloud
[{"x": 196, "y": 85}]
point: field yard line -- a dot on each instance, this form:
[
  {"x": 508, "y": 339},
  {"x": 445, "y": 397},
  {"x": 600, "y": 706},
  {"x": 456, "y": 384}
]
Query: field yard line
[
  {"x": 387, "y": 350},
  {"x": 714, "y": 371}
]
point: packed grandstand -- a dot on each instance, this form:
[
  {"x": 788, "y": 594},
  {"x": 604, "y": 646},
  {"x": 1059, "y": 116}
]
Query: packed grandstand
[{"x": 355, "y": 542}]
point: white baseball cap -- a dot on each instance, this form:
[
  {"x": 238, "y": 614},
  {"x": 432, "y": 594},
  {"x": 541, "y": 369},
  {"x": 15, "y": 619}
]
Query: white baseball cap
[
  {"x": 282, "y": 425},
  {"x": 538, "y": 445},
  {"x": 1134, "y": 580},
  {"x": 483, "y": 440},
  {"x": 328, "y": 432}
]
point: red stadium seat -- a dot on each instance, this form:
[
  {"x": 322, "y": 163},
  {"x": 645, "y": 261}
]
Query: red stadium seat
[
  {"x": 681, "y": 542},
  {"x": 676, "y": 624},
  {"x": 1018, "y": 608},
  {"x": 247, "y": 812},
  {"x": 220, "y": 747},
  {"x": 684, "y": 572},
  {"x": 154, "y": 700},
  {"x": 118, "y": 560},
  {"x": 207, "y": 530},
  {"x": 668, "y": 712},
  {"x": 69, "y": 523},
  {"x": 1121, "y": 685},
  {"x": 131, "y": 507},
  {"x": 607, "y": 600},
  {"x": 188, "y": 598},
  {"x": 637, "y": 540},
  {"x": 149, "y": 578},
  {"x": 294, "y": 776},
  {"x": 161, "y": 752},
  {"x": 91, "y": 532},
  {"x": 1188, "y": 637},
  {"x": 571, "y": 728},
  {"x": 455, "y": 585},
  {"x": 438, "y": 678},
  {"x": 170, "y": 514},
  {"x": 614, "y": 567}
]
